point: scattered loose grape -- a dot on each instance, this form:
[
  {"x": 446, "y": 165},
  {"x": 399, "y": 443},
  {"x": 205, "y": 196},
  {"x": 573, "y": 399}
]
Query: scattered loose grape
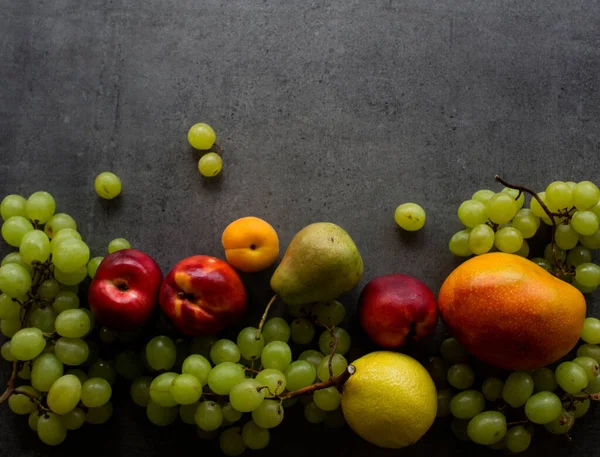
[
  {"x": 210, "y": 165},
  {"x": 118, "y": 244},
  {"x": 107, "y": 185},
  {"x": 201, "y": 136},
  {"x": 410, "y": 217}
]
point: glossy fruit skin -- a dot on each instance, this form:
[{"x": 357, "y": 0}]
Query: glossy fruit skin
[
  {"x": 251, "y": 244},
  {"x": 124, "y": 290},
  {"x": 202, "y": 295},
  {"x": 395, "y": 307},
  {"x": 511, "y": 313}
]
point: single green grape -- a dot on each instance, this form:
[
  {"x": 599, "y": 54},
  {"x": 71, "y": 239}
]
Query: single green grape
[
  {"x": 209, "y": 416},
  {"x": 12, "y": 205},
  {"x": 20, "y": 401},
  {"x": 589, "y": 350},
  {"x": 64, "y": 395},
  {"x": 553, "y": 253},
  {"x": 591, "y": 241},
  {"x": 35, "y": 247},
  {"x": 501, "y": 208},
  {"x": 62, "y": 235},
  {"x": 302, "y": 331},
  {"x": 590, "y": 333},
  {"x": 585, "y": 222},
  {"x": 93, "y": 265},
  {"x": 562, "y": 424},
  {"x": 197, "y": 366},
  {"x": 467, "y": 404},
  {"x": 588, "y": 274},
  {"x": 140, "y": 390},
  {"x": 187, "y": 413},
  {"x": 517, "y": 439},
  {"x": 9, "y": 328},
  {"x": 578, "y": 255},
  {"x": 526, "y": 222},
  {"x": 14, "y": 280},
  {"x": 329, "y": 313},
  {"x": 161, "y": 415},
  {"x": 274, "y": 380},
  {"x": 544, "y": 380},
  {"x": 508, "y": 239},
  {"x": 46, "y": 369},
  {"x": 566, "y": 237},
  {"x": 74, "y": 419},
  {"x": 224, "y": 376},
  {"x": 224, "y": 351},
  {"x": 591, "y": 367},
  {"x": 201, "y": 136},
  {"x": 9, "y": 308},
  {"x": 269, "y": 414},
  {"x": 255, "y": 437},
  {"x": 311, "y": 356},
  {"x": 481, "y": 239},
  {"x": 459, "y": 244},
  {"x": 276, "y": 354},
  {"x": 43, "y": 318},
  {"x": 559, "y": 195},
  {"x": 247, "y": 395},
  {"x": 483, "y": 195},
  {"x": 107, "y": 185},
  {"x": 185, "y": 389},
  {"x": 492, "y": 389},
  {"x": 444, "y": 398},
  {"x": 6, "y": 352},
  {"x": 487, "y": 428},
  {"x": 585, "y": 195},
  {"x": 536, "y": 208},
  {"x": 300, "y": 374},
  {"x": 32, "y": 421},
  {"x": 452, "y": 351},
  {"x": 249, "y": 346},
  {"x": 410, "y": 217},
  {"x": 327, "y": 341},
  {"x": 51, "y": 429},
  {"x": 58, "y": 222},
  {"x": 327, "y": 399},
  {"x": 517, "y": 388},
  {"x": 72, "y": 323},
  {"x": 40, "y": 207},
  {"x": 523, "y": 250},
  {"x": 161, "y": 353},
  {"x": 472, "y": 213},
  {"x": 571, "y": 377},
  {"x": 27, "y": 344},
  {"x": 231, "y": 442},
  {"x": 71, "y": 351},
  {"x": 118, "y": 244},
  {"x": 95, "y": 392},
  {"x": 461, "y": 376},
  {"x": 48, "y": 289},
  {"x": 541, "y": 262},
  {"x": 210, "y": 165},
  {"x": 14, "y": 229},
  {"x": 230, "y": 414},
  {"x": 543, "y": 407},
  {"x": 338, "y": 366},
  {"x": 160, "y": 389},
  {"x": 276, "y": 329}
]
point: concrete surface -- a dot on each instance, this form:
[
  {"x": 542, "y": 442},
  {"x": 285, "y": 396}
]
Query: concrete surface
[{"x": 334, "y": 111}]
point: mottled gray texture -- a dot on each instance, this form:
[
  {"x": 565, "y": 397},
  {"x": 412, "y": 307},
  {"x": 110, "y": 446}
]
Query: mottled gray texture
[{"x": 328, "y": 111}]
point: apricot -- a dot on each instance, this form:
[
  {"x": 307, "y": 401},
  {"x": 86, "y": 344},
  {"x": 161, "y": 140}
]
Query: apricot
[
  {"x": 251, "y": 244},
  {"x": 511, "y": 313}
]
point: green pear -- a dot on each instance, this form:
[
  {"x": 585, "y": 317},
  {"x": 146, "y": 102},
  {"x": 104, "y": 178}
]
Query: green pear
[{"x": 321, "y": 263}]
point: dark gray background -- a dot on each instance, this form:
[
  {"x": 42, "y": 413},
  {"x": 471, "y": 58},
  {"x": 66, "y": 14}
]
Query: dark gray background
[{"x": 328, "y": 111}]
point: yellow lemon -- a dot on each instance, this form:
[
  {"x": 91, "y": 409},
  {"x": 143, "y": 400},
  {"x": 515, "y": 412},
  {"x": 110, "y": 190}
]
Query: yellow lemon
[{"x": 390, "y": 400}]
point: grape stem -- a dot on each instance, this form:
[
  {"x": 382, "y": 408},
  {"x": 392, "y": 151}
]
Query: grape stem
[
  {"x": 10, "y": 387},
  {"x": 337, "y": 381},
  {"x": 34, "y": 399},
  {"x": 264, "y": 316},
  {"x": 523, "y": 422},
  {"x": 550, "y": 214}
]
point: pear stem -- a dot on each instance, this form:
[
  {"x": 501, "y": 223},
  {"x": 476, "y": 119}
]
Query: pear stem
[
  {"x": 550, "y": 214},
  {"x": 264, "y": 316},
  {"x": 337, "y": 381}
]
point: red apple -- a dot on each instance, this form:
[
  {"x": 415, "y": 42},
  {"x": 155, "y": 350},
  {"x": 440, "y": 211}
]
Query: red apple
[
  {"x": 202, "y": 295},
  {"x": 124, "y": 290},
  {"x": 395, "y": 307}
]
